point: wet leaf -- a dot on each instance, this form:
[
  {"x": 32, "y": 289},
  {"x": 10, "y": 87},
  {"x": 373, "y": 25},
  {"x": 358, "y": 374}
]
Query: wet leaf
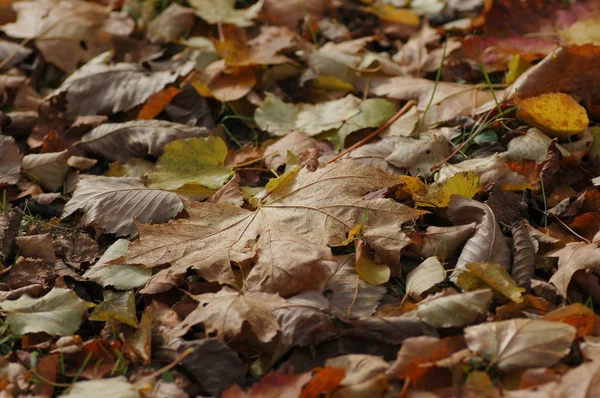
[{"x": 58, "y": 313}]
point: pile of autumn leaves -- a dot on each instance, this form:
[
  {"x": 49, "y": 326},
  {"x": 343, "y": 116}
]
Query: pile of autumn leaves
[{"x": 402, "y": 287}]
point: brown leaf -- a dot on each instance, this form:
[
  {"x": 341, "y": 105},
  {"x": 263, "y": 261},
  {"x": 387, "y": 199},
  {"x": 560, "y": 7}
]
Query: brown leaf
[
  {"x": 298, "y": 143},
  {"x": 444, "y": 242},
  {"x": 37, "y": 246},
  {"x": 487, "y": 243},
  {"x": 116, "y": 87},
  {"x": 324, "y": 381},
  {"x": 520, "y": 343},
  {"x": 364, "y": 375},
  {"x": 457, "y": 310},
  {"x": 9, "y": 227},
  {"x": 272, "y": 385},
  {"x": 10, "y": 162},
  {"x": 112, "y": 204},
  {"x": 572, "y": 258},
  {"x": 523, "y": 266},
  {"x": 224, "y": 313},
  {"x": 170, "y": 24},
  {"x": 59, "y": 27},
  {"x": 49, "y": 169},
  {"x": 229, "y": 194},
  {"x": 576, "y": 315},
  {"x": 351, "y": 295},
  {"x": 29, "y": 272},
  {"x": 289, "y": 12},
  {"x": 78, "y": 249},
  {"x": 136, "y": 139}
]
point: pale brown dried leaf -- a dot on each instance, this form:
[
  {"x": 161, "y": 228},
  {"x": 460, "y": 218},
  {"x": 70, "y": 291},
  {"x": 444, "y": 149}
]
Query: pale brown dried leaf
[
  {"x": 572, "y": 258},
  {"x": 523, "y": 266},
  {"x": 9, "y": 227},
  {"x": 170, "y": 24},
  {"x": 487, "y": 243},
  {"x": 10, "y": 161},
  {"x": 112, "y": 204},
  {"x": 136, "y": 138},
  {"x": 49, "y": 169},
  {"x": 229, "y": 193},
  {"x": 37, "y": 246},
  {"x": 521, "y": 343},
  {"x": 444, "y": 242},
  {"x": 276, "y": 153},
  {"x": 457, "y": 310}
]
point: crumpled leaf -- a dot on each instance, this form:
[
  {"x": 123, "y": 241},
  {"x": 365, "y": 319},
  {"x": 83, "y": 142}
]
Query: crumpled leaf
[
  {"x": 59, "y": 27},
  {"x": 58, "y": 313},
  {"x": 320, "y": 206},
  {"x": 10, "y": 162},
  {"x": 115, "y": 387},
  {"x": 523, "y": 267},
  {"x": 298, "y": 143},
  {"x": 350, "y": 294},
  {"x": 426, "y": 275},
  {"x": 116, "y": 88},
  {"x": 119, "y": 306},
  {"x": 419, "y": 155},
  {"x": 556, "y": 114},
  {"x": 521, "y": 343},
  {"x": 487, "y": 243},
  {"x": 191, "y": 161},
  {"x": 457, "y": 310},
  {"x": 136, "y": 138},
  {"x": 49, "y": 169},
  {"x": 121, "y": 277},
  {"x": 572, "y": 258},
  {"x": 112, "y": 203},
  {"x": 444, "y": 242},
  {"x": 9, "y": 228},
  {"x": 533, "y": 146},
  {"x": 224, "y": 11},
  {"x": 495, "y": 276},
  {"x": 224, "y": 313}
]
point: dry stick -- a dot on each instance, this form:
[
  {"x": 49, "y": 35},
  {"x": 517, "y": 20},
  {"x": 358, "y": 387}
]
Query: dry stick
[{"x": 375, "y": 133}]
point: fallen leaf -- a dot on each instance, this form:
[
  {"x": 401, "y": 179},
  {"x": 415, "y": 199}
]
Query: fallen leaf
[
  {"x": 58, "y": 313},
  {"x": 523, "y": 266},
  {"x": 272, "y": 385},
  {"x": 135, "y": 167},
  {"x": 224, "y": 313},
  {"x": 9, "y": 227},
  {"x": 136, "y": 139},
  {"x": 37, "y": 246},
  {"x": 298, "y": 143},
  {"x": 219, "y": 11},
  {"x": 157, "y": 101},
  {"x": 572, "y": 258},
  {"x": 417, "y": 156},
  {"x": 115, "y": 386},
  {"x": 49, "y": 169},
  {"x": 367, "y": 269},
  {"x": 10, "y": 163},
  {"x": 463, "y": 185},
  {"x": 557, "y": 114},
  {"x": 103, "y": 198},
  {"x": 324, "y": 381},
  {"x": 229, "y": 193},
  {"x": 496, "y": 276},
  {"x": 576, "y": 315},
  {"x": 426, "y": 275},
  {"x": 118, "y": 306},
  {"x": 487, "y": 243},
  {"x": 491, "y": 170},
  {"x": 170, "y": 24},
  {"x": 189, "y": 162},
  {"x": 533, "y": 146},
  {"x": 457, "y": 310},
  {"x": 275, "y": 116},
  {"x": 318, "y": 206},
  {"x": 364, "y": 375},
  {"x": 444, "y": 242},
  {"x": 116, "y": 87},
  {"x": 289, "y": 12},
  {"x": 520, "y": 343}
]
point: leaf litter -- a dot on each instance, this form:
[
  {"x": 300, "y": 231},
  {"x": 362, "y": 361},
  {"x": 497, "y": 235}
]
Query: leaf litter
[{"x": 299, "y": 198}]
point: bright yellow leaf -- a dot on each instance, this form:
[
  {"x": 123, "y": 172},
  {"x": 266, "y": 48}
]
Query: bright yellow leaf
[
  {"x": 556, "y": 114},
  {"x": 390, "y": 13},
  {"x": 326, "y": 82},
  {"x": 516, "y": 67},
  {"x": 462, "y": 184},
  {"x": 368, "y": 270}
]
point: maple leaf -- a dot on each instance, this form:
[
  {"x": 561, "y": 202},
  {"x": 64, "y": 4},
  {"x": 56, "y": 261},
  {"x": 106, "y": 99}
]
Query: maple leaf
[{"x": 317, "y": 207}]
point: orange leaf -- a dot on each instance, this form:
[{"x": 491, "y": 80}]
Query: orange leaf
[
  {"x": 556, "y": 114},
  {"x": 587, "y": 224},
  {"x": 272, "y": 385},
  {"x": 157, "y": 102},
  {"x": 577, "y": 315},
  {"x": 47, "y": 367},
  {"x": 232, "y": 46},
  {"x": 324, "y": 381},
  {"x": 530, "y": 304}
]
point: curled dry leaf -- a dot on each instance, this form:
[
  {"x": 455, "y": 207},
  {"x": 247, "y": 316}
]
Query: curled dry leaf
[
  {"x": 224, "y": 313},
  {"x": 58, "y": 313},
  {"x": 427, "y": 274},
  {"x": 520, "y": 343},
  {"x": 136, "y": 139},
  {"x": 116, "y": 88},
  {"x": 10, "y": 161},
  {"x": 37, "y": 246},
  {"x": 417, "y": 156},
  {"x": 444, "y": 242},
  {"x": 298, "y": 143},
  {"x": 366, "y": 267},
  {"x": 572, "y": 258},
  {"x": 118, "y": 306},
  {"x": 487, "y": 243},
  {"x": 523, "y": 267},
  {"x": 319, "y": 207},
  {"x": 9, "y": 227},
  {"x": 457, "y": 310},
  {"x": 49, "y": 169},
  {"x": 491, "y": 170},
  {"x": 112, "y": 204}
]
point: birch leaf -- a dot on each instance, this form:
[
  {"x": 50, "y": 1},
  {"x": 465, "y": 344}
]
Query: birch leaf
[{"x": 427, "y": 274}]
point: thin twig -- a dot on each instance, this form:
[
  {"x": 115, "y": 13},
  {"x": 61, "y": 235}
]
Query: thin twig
[
  {"x": 570, "y": 230},
  {"x": 375, "y": 133}
]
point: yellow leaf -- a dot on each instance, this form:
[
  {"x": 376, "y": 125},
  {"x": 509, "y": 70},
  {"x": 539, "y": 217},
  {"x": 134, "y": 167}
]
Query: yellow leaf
[
  {"x": 326, "y": 82},
  {"x": 495, "y": 276},
  {"x": 556, "y": 114},
  {"x": 352, "y": 234},
  {"x": 368, "y": 270},
  {"x": 390, "y": 13},
  {"x": 197, "y": 161},
  {"x": 462, "y": 184},
  {"x": 468, "y": 282},
  {"x": 286, "y": 178},
  {"x": 516, "y": 67}
]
